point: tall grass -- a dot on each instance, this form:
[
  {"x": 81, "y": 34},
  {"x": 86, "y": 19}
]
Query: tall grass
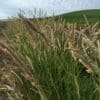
[{"x": 49, "y": 60}]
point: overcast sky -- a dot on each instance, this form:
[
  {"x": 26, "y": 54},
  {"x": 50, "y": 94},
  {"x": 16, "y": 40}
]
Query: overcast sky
[{"x": 10, "y": 8}]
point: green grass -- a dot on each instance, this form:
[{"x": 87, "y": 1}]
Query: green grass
[
  {"x": 42, "y": 64},
  {"x": 93, "y": 16}
]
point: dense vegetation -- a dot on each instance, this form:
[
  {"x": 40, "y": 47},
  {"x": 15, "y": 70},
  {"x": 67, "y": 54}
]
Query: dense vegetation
[{"x": 50, "y": 60}]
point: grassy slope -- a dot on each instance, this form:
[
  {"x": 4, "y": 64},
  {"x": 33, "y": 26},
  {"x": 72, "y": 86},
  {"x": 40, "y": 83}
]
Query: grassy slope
[
  {"x": 78, "y": 16},
  {"x": 92, "y": 15}
]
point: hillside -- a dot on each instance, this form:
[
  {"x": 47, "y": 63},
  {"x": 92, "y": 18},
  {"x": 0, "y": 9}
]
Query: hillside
[
  {"x": 93, "y": 16},
  {"x": 78, "y": 16}
]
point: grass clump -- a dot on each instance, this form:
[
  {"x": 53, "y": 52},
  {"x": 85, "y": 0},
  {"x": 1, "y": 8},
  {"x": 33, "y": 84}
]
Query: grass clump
[{"x": 49, "y": 59}]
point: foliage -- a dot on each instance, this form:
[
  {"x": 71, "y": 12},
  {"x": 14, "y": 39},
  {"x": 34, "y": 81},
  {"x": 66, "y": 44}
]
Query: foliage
[{"x": 49, "y": 60}]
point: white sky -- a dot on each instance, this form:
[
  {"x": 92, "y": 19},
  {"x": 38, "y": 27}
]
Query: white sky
[{"x": 10, "y": 8}]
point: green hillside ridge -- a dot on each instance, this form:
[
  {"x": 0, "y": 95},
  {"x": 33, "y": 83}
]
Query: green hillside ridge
[{"x": 93, "y": 16}]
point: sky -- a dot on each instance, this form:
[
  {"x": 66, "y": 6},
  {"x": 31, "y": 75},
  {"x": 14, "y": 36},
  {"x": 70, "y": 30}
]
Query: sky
[{"x": 9, "y": 8}]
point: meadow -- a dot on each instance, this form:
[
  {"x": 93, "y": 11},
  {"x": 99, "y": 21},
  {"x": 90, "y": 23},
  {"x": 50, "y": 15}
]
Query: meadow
[{"x": 51, "y": 58}]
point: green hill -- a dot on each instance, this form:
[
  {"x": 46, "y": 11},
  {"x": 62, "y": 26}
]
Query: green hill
[
  {"x": 78, "y": 16},
  {"x": 93, "y": 16}
]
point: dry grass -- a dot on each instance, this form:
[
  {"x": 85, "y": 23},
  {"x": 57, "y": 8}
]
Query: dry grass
[{"x": 30, "y": 43}]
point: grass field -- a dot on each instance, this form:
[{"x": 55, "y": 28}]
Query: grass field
[
  {"x": 92, "y": 16},
  {"x": 47, "y": 60}
]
